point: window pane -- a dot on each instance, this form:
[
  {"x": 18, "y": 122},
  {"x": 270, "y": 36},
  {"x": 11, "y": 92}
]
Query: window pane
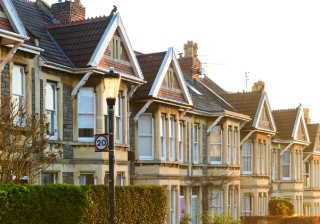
[
  {"x": 215, "y": 153},
  {"x": 85, "y": 121},
  {"x": 145, "y": 127},
  {"x": 50, "y": 97},
  {"x": 17, "y": 80},
  {"x": 47, "y": 178},
  {"x": 145, "y": 146},
  {"x": 86, "y": 101}
]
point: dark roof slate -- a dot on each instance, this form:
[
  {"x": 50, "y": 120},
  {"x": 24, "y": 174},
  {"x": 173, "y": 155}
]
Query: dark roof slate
[
  {"x": 36, "y": 22},
  {"x": 150, "y": 65},
  {"x": 79, "y": 39},
  {"x": 285, "y": 121},
  {"x": 245, "y": 103},
  {"x": 212, "y": 85},
  {"x": 313, "y": 130}
]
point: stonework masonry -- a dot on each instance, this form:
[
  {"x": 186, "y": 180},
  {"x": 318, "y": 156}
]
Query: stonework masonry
[
  {"x": 33, "y": 91},
  {"x": 5, "y": 80},
  {"x": 67, "y": 114}
]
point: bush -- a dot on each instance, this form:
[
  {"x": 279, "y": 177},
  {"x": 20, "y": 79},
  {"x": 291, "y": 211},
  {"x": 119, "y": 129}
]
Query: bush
[
  {"x": 224, "y": 218},
  {"x": 280, "y": 206}
]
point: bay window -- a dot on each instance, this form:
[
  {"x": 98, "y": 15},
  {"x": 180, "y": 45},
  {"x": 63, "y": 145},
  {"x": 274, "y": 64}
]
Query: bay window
[{"x": 86, "y": 114}]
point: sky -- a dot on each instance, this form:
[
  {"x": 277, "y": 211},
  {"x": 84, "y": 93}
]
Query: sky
[{"x": 276, "y": 41}]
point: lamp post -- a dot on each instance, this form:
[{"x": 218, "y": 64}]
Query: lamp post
[{"x": 111, "y": 84}]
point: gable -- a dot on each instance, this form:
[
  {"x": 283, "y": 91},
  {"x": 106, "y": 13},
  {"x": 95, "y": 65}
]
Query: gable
[
  {"x": 116, "y": 55},
  {"x": 264, "y": 118},
  {"x": 4, "y": 21},
  {"x": 301, "y": 132},
  {"x": 170, "y": 63},
  {"x": 170, "y": 87},
  {"x": 317, "y": 140}
]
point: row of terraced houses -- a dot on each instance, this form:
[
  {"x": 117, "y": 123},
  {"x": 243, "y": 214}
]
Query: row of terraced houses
[{"x": 175, "y": 127}]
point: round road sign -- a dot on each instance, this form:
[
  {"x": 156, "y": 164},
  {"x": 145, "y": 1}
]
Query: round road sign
[{"x": 101, "y": 142}]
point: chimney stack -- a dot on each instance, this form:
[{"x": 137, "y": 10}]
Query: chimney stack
[
  {"x": 190, "y": 63},
  {"x": 258, "y": 86},
  {"x": 68, "y": 11}
]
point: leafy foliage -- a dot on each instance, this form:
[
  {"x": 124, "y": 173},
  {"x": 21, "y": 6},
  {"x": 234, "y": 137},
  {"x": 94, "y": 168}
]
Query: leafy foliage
[
  {"x": 224, "y": 218},
  {"x": 280, "y": 206},
  {"x": 24, "y": 151},
  {"x": 71, "y": 204},
  {"x": 186, "y": 218}
]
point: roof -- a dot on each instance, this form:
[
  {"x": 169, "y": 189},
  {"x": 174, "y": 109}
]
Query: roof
[
  {"x": 79, "y": 39},
  {"x": 150, "y": 65},
  {"x": 212, "y": 85},
  {"x": 246, "y": 103},
  {"x": 207, "y": 101},
  {"x": 313, "y": 134},
  {"x": 285, "y": 120},
  {"x": 36, "y": 23}
]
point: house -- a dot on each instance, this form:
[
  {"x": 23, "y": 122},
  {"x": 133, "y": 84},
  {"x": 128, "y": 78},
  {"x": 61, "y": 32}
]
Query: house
[
  {"x": 185, "y": 136},
  {"x": 58, "y": 57},
  {"x": 287, "y": 156},
  {"x": 255, "y": 148}
]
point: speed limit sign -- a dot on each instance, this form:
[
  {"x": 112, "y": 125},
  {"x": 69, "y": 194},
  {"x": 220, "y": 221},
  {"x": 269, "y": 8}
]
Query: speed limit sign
[{"x": 101, "y": 143}]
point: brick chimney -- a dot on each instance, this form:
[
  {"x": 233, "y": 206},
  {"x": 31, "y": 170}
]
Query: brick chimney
[
  {"x": 190, "y": 63},
  {"x": 68, "y": 11},
  {"x": 306, "y": 115},
  {"x": 258, "y": 86}
]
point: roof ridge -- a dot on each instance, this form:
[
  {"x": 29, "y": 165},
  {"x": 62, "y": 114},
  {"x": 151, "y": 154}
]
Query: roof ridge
[
  {"x": 28, "y": 1},
  {"x": 150, "y": 54},
  {"x": 287, "y": 109},
  {"x": 77, "y": 22}
]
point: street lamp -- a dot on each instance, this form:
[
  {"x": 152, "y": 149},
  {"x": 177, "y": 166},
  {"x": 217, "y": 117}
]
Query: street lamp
[{"x": 111, "y": 84}]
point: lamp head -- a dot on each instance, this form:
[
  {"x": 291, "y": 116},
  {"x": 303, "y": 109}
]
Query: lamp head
[{"x": 111, "y": 84}]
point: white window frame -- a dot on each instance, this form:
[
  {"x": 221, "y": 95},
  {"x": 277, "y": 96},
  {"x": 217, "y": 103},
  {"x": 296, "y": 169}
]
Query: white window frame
[
  {"x": 172, "y": 139},
  {"x": 229, "y": 144},
  {"x": 285, "y": 164},
  {"x": 163, "y": 137},
  {"x": 263, "y": 157},
  {"x": 52, "y": 134},
  {"x": 146, "y": 135},
  {"x": 19, "y": 98},
  {"x": 120, "y": 179},
  {"x": 216, "y": 201},
  {"x": 247, "y": 147},
  {"x": 306, "y": 174},
  {"x": 173, "y": 205},
  {"x": 118, "y": 117},
  {"x": 115, "y": 48},
  {"x": 92, "y": 113},
  {"x": 235, "y": 146},
  {"x": 82, "y": 178},
  {"x": 247, "y": 205},
  {"x": 215, "y": 144},
  {"x": 259, "y": 158},
  {"x": 195, "y": 143},
  {"x": 181, "y": 141}
]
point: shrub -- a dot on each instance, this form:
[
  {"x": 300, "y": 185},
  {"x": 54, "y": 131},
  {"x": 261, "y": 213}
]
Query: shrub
[
  {"x": 224, "y": 218},
  {"x": 280, "y": 206}
]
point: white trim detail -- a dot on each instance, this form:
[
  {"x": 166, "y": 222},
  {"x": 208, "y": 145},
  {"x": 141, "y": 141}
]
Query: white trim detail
[
  {"x": 183, "y": 113},
  {"x": 80, "y": 84},
  {"x": 214, "y": 123},
  {"x": 143, "y": 109},
  {"x": 286, "y": 148},
  {"x": 299, "y": 118},
  {"x": 264, "y": 99},
  {"x": 114, "y": 23},
  {"x": 245, "y": 138},
  {"x": 307, "y": 157},
  {"x": 170, "y": 56}
]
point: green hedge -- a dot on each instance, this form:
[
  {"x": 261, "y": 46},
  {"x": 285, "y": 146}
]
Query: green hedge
[
  {"x": 280, "y": 206},
  {"x": 80, "y": 204}
]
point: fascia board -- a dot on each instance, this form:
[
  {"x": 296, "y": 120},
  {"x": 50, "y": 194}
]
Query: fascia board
[
  {"x": 161, "y": 73},
  {"x": 131, "y": 54},
  {"x": 299, "y": 118},
  {"x": 181, "y": 80},
  {"x": 103, "y": 43},
  {"x": 13, "y": 17}
]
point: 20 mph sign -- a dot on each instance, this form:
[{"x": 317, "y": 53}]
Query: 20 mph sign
[{"x": 101, "y": 143}]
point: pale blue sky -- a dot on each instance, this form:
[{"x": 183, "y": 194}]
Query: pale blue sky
[{"x": 275, "y": 41}]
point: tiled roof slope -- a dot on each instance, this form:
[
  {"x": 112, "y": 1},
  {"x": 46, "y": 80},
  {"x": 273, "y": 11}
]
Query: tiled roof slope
[
  {"x": 212, "y": 85},
  {"x": 245, "y": 103},
  {"x": 313, "y": 133},
  {"x": 79, "y": 39},
  {"x": 150, "y": 65},
  {"x": 36, "y": 22},
  {"x": 206, "y": 102},
  {"x": 285, "y": 120}
]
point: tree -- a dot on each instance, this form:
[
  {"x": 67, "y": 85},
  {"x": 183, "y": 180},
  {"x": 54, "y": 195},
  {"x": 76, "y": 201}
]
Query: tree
[
  {"x": 280, "y": 206},
  {"x": 24, "y": 148}
]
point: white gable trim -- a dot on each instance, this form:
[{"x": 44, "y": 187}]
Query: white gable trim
[
  {"x": 299, "y": 118},
  {"x": 286, "y": 148},
  {"x": 214, "y": 123},
  {"x": 245, "y": 138},
  {"x": 170, "y": 56},
  {"x": 80, "y": 84},
  {"x": 13, "y": 17},
  {"x": 114, "y": 23},
  {"x": 143, "y": 109},
  {"x": 264, "y": 101}
]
